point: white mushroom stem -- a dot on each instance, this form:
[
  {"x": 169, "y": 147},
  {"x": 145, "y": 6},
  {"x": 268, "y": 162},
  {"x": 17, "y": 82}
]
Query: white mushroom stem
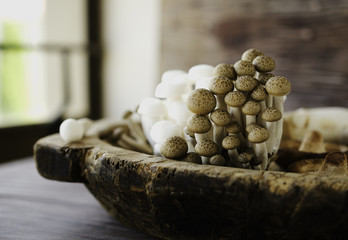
[
  {"x": 250, "y": 119},
  {"x": 260, "y": 121},
  {"x": 260, "y": 151},
  {"x": 278, "y": 103},
  {"x": 220, "y": 101},
  {"x": 269, "y": 101},
  {"x": 237, "y": 115},
  {"x": 271, "y": 127},
  {"x": 204, "y": 136},
  {"x": 205, "y": 160},
  {"x": 191, "y": 142},
  {"x": 218, "y": 134}
]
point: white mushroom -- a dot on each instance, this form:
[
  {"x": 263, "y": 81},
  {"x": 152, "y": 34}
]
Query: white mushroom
[
  {"x": 71, "y": 130},
  {"x": 179, "y": 113},
  {"x": 151, "y": 110},
  {"x": 200, "y": 71}
]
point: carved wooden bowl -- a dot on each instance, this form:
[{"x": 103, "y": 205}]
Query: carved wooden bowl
[{"x": 180, "y": 200}]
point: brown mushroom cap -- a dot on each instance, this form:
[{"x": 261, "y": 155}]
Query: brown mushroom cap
[
  {"x": 221, "y": 85},
  {"x": 251, "y": 54},
  {"x": 198, "y": 124},
  {"x": 217, "y": 160},
  {"x": 278, "y": 86},
  {"x": 224, "y": 69},
  {"x": 259, "y": 93},
  {"x": 231, "y": 142},
  {"x": 220, "y": 117},
  {"x": 264, "y": 77},
  {"x": 264, "y": 63},
  {"x": 201, "y": 101},
  {"x": 245, "y": 157},
  {"x": 251, "y": 108},
  {"x": 271, "y": 114},
  {"x": 251, "y": 127},
  {"x": 233, "y": 127},
  {"x": 174, "y": 147},
  {"x": 192, "y": 157},
  {"x": 258, "y": 135},
  {"x": 235, "y": 99},
  {"x": 243, "y": 67},
  {"x": 246, "y": 83},
  {"x": 206, "y": 148}
]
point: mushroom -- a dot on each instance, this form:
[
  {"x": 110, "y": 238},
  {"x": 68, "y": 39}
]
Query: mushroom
[
  {"x": 226, "y": 70},
  {"x": 71, "y": 130},
  {"x": 201, "y": 101},
  {"x": 264, "y": 77},
  {"x": 174, "y": 147},
  {"x": 278, "y": 87},
  {"x": 206, "y": 149},
  {"x": 179, "y": 113},
  {"x": 264, "y": 64},
  {"x": 246, "y": 83},
  {"x": 86, "y": 124},
  {"x": 190, "y": 139},
  {"x": 162, "y": 130},
  {"x": 192, "y": 157},
  {"x": 259, "y": 136},
  {"x": 259, "y": 94},
  {"x": 251, "y": 109},
  {"x": 231, "y": 143},
  {"x": 270, "y": 116},
  {"x": 151, "y": 110},
  {"x": 169, "y": 74},
  {"x": 245, "y": 158},
  {"x": 220, "y": 119},
  {"x": 312, "y": 142},
  {"x": 203, "y": 82},
  {"x": 233, "y": 128},
  {"x": 251, "y": 54},
  {"x": 243, "y": 67},
  {"x": 217, "y": 160},
  {"x": 200, "y": 71},
  {"x": 200, "y": 125},
  {"x": 220, "y": 86},
  {"x": 235, "y": 100}
]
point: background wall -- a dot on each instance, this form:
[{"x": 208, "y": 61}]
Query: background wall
[{"x": 308, "y": 40}]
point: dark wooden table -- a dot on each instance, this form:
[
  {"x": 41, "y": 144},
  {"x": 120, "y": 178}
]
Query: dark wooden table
[{"x": 32, "y": 207}]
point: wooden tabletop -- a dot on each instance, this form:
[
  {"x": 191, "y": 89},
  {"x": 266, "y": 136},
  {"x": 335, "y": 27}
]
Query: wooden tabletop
[{"x": 32, "y": 207}]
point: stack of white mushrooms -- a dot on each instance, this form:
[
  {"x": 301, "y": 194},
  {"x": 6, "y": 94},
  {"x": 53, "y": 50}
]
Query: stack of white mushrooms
[{"x": 229, "y": 115}]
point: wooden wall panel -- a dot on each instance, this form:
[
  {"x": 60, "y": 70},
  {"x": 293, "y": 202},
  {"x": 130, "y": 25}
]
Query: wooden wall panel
[{"x": 308, "y": 40}]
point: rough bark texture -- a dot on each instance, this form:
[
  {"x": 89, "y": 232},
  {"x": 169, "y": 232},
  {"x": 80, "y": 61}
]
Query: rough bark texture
[{"x": 180, "y": 200}]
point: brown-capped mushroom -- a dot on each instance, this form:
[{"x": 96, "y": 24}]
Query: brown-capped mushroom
[
  {"x": 217, "y": 160},
  {"x": 201, "y": 101},
  {"x": 200, "y": 125},
  {"x": 226, "y": 70},
  {"x": 251, "y": 54},
  {"x": 206, "y": 149},
  {"x": 259, "y": 136},
  {"x": 259, "y": 94},
  {"x": 250, "y": 109},
  {"x": 264, "y": 77},
  {"x": 246, "y": 83},
  {"x": 220, "y": 86},
  {"x": 243, "y": 67},
  {"x": 220, "y": 119},
  {"x": 233, "y": 128},
  {"x": 264, "y": 64},
  {"x": 174, "y": 147},
  {"x": 192, "y": 157},
  {"x": 271, "y": 116},
  {"x": 235, "y": 100},
  {"x": 231, "y": 143}
]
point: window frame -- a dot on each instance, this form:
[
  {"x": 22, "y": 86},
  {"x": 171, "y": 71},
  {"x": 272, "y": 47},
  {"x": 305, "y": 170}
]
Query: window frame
[{"x": 18, "y": 141}]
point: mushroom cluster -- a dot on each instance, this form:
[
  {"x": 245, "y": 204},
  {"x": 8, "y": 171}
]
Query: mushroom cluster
[{"x": 230, "y": 114}]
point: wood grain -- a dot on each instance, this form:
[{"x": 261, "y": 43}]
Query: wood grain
[
  {"x": 308, "y": 40},
  {"x": 33, "y": 208}
]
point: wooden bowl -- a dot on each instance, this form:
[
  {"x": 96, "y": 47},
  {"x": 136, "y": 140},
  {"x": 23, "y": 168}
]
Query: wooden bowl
[{"x": 179, "y": 200}]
